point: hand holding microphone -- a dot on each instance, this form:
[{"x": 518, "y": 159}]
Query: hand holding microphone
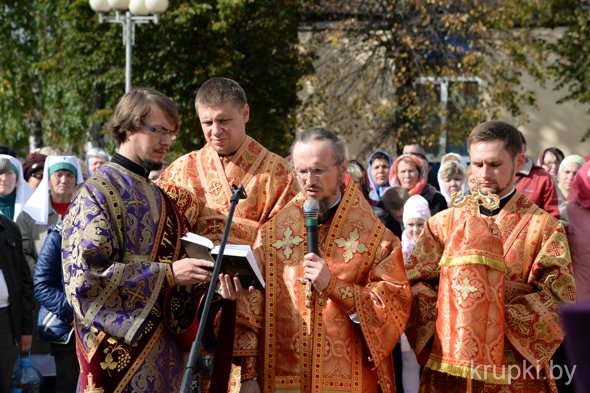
[
  {"x": 313, "y": 265},
  {"x": 311, "y": 212}
]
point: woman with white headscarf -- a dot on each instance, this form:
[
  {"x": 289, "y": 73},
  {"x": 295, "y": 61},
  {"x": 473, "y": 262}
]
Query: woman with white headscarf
[
  {"x": 566, "y": 172},
  {"x": 452, "y": 175},
  {"x": 14, "y": 190},
  {"x": 46, "y": 208},
  {"x": 568, "y": 168}
]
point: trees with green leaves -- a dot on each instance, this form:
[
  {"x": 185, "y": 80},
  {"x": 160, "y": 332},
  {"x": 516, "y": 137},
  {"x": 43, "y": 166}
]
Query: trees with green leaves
[
  {"x": 571, "y": 67},
  {"x": 63, "y": 72},
  {"x": 382, "y": 64}
]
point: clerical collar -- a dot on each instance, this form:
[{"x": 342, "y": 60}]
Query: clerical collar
[
  {"x": 331, "y": 211},
  {"x": 128, "y": 164},
  {"x": 503, "y": 201}
]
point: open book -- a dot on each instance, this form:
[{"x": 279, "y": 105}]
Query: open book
[{"x": 238, "y": 260}]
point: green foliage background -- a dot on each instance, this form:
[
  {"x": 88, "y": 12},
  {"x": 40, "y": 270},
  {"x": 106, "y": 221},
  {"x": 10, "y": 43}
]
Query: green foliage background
[
  {"x": 63, "y": 72},
  {"x": 571, "y": 67},
  {"x": 377, "y": 49}
]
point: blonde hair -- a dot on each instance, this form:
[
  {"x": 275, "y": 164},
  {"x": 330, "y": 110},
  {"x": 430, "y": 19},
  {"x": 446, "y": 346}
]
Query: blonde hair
[{"x": 450, "y": 168}]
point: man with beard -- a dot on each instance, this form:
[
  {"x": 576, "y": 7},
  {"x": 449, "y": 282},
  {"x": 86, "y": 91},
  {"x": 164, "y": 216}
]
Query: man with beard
[
  {"x": 519, "y": 311},
  {"x": 331, "y": 319},
  {"x": 122, "y": 254}
]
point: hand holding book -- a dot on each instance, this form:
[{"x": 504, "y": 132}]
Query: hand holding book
[
  {"x": 231, "y": 287},
  {"x": 238, "y": 260},
  {"x": 190, "y": 271}
]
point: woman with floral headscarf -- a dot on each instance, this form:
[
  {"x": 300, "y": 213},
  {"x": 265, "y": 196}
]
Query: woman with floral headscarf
[{"x": 408, "y": 172}]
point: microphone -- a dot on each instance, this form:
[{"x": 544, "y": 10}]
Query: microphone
[{"x": 311, "y": 211}]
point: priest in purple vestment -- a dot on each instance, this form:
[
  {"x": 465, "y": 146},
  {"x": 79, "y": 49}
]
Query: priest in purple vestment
[{"x": 122, "y": 258}]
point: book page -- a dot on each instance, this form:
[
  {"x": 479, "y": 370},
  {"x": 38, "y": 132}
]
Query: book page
[
  {"x": 198, "y": 239},
  {"x": 198, "y": 247}
]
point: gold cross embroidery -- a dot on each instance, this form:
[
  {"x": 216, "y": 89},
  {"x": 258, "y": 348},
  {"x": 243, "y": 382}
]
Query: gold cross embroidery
[
  {"x": 346, "y": 292},
  {"x": 214, "y": 227},
  {"x": 287, "y": 242},
  {"x": 90, "y": 387},
  {"x": 168, "y": 362},
  {"x": 215, "y": 188},
  {"x": 351, "y": 245},
  {"x": 133, "y": 295},
  {"x": 555, "y": 249}
]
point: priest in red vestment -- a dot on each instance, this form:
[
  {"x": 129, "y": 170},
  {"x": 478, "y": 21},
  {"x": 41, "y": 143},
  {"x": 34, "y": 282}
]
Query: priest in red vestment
[
  {"x": 473, "y": 331},
  {"x": 330, "y": 320},
  {"x": 230, "y": 157}
]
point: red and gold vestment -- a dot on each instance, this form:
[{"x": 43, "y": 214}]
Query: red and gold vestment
[
  {"x": 269, "y": 185},
  {"x": 343, "y": 341},
  {"x": 538, "y": 279}
]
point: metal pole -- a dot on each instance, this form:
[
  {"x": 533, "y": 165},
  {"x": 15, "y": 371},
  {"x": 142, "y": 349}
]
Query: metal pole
[
  {"x": 128, "y": 22},
  {"x": 444, "y": 102},
  {"x": 128, "y": 38}
]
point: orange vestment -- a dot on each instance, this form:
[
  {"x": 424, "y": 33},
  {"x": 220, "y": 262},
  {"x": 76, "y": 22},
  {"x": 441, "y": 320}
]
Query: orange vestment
[
  {"x": 269, "y": 185},
  {"x": 538, "y": 279},
  {"x": 321, "y": 348}
]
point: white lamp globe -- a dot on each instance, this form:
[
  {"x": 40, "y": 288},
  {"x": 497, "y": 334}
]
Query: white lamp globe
[
  {"x": 157, "y": 6},
  {"x": 119, "y": 5},
  {"x": 138, "y": 7},
  {"x": 100, "y": 5}
]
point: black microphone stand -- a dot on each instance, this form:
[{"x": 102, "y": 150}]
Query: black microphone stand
[{"x": 195, "y": 363}]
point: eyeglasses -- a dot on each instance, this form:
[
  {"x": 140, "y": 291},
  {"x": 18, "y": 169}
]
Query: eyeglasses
[
  {"x": 161, "y": 131},
  {"x": 315, "y": 172}
]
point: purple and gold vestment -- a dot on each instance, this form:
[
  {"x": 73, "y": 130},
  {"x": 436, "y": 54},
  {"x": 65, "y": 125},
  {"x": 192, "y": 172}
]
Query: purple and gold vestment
[{"x": 120, "y": 238}]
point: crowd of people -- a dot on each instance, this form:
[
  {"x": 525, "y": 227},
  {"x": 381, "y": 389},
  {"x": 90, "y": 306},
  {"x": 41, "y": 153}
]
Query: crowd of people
[{"x": 419, "y": 280}]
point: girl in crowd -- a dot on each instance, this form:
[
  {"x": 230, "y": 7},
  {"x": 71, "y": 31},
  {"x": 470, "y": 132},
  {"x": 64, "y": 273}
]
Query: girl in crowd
[{"x": 416, "y": 212}]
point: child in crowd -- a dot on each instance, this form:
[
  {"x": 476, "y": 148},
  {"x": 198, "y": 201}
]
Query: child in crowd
[
  {"x": 393, "y": 201},
  {"x": 416, "y": 212}
]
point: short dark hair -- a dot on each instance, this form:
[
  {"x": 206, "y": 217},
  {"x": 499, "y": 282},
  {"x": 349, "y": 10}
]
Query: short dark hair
[
  {"x": 135, "y": 106},
  {"x": 9, "y": 151},
  {"x": 394, "y": 198},
  {"x": 522, "y": 138},
  {"x": 322, "y": 134},
  {"x": 218, "y": 91},
  {"x": 496, "y": 130}
]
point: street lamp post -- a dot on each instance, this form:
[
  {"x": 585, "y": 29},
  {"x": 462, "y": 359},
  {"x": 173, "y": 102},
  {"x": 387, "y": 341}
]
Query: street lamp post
[{"x": 129, "y": 13}]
